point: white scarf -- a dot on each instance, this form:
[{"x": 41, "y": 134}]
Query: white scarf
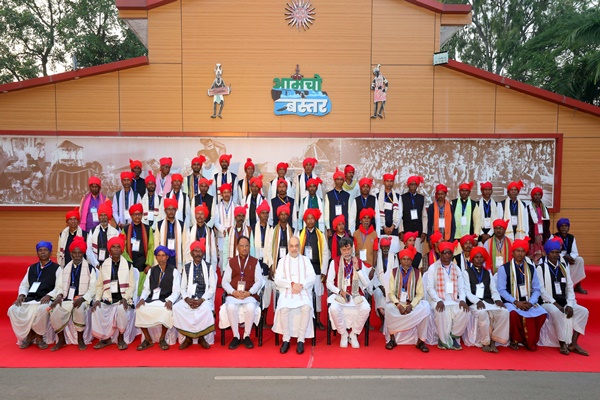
[
  {"x": 395, "y": 207},
  {"x": 123, "y": 274},
  {"x": 161, "y": 240},
  {"x": 209, "y": 242},
  {"x": 119, "y": 215},
  {"x": 155, "y": 211},
  {"x": 493, "y": 214},
  {"x": 62, "y": 244},
  {"x": 84, "y": 278},
  {"x": 522, "y": 227}
]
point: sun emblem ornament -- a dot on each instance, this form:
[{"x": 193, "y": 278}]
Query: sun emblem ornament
[{"x": 300, "y": 14}]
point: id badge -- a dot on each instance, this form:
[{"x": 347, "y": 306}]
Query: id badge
[
  {"x": 449, "y": 287},
  {"x": 94, "y": 212},
  {"x": 523, "y": 290},
  {"x": 241, "y": 286},
  {"x": 135, "y": 245},
  {"x": 34, "y": 287},
  {"x": 557, "y": 288},
  {"x": 403, "y": 296},
  {"x": 441, "y": 223},
  {"x": 71, "y": 295},
  {"x": 308, "y": 252},
  {"x": 282, "y": 251},
  {"x": 479, "y": 290},
  {"x": 487, "y": 223},
  {"x": 114, "y": 286},
  {"x": 347, "y": 282},
  {"x": 192, "y": 292},
  {"x": 540, "y": 228},
  {"x": 126, "y": 215},
  {"x": 171, "y": 244},
  {"x": 514, "y": 220},
  {"x": 414, "y": 214},
  {"x": 363, "y": 254},
  {"x": 563, "y": 280},
  {"x": 156, "y": 294},
  {"x": 388, "y": 206},
  {"x": 151, "y": 216},
  {"x": 101, "y": 255},
  {"x": 463, "y": 221},
  {"x": 338, "y": 209},
  {"x": 499, "y": 261}
]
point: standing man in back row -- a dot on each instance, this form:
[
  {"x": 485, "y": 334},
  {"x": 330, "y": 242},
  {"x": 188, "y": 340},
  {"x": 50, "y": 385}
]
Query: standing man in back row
[{"x": 413, "y": 215}]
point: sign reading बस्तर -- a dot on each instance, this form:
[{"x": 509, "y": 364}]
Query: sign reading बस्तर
[{"x": 300, "y": 96}]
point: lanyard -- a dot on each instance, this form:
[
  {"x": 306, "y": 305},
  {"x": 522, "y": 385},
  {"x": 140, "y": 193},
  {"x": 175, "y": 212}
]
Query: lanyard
[
  {"x": 133, "y": 232},
  {"x": 196, "y": 186},
  {"x": 478, "y": 275},
  {"x": 171, "y": 225},
  {"x": 412, "y": 199},
  {"x": 135, "y": 184},
  {"x": 201, "y": 229},
  {"x": 113, "y": 269},
  {"x": 521, "y": 269},
  {"x": 336, "y": 196},
  {"x": 388, "y": 196},
  {"x": 405, "y": 276},
  {"x": 263, "y": 230},
  {"x": 227, "y": 208},
  {"x": 364, "y": 201},
  {"x": 253, "y": 201},
  {"x": 126, "y": 196},
  {"x": 283, "y": 202},
  {"x": 499, "y": 248},
  {"x": 554, "y": 271},
  {"x": 464, "y": 207},
  {"x": 151, "y": 203},
  {"x": 161, "y": 276},
  {"x": 242, "y": 270},
  {"x": 347, "y": 269},
  {"x": 449, "y": 270},
  {"x": 513, "y": 206},
  {"x": 224, "y": 178},
  {"x": 282, "y": 235},
  {"x": 74, "y": 273},
  {"x": 487, "y": 208},
  {"x": 40, "y": 269},
  {"x": 101, "y": 243},
  {"x": 385, "y": 264}
]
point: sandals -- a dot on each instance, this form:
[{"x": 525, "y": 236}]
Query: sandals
[
  {"x": 25, "y": 344},
  {"x": 144, "y": 345},
  {"x": 122, "y": 346},
  {"x": 578, "y": 350},
  {"x": 163, "y": 345},
  {"x": 42, "y": 345},
  {"x": 102, "y": 344}
]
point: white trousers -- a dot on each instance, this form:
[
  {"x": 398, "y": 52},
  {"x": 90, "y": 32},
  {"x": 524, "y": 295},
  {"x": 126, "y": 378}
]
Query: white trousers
[
  {"x": 233, "y": 313},
  {"x": 344, "y": 317},
  {"x": 305, "y": 316}
]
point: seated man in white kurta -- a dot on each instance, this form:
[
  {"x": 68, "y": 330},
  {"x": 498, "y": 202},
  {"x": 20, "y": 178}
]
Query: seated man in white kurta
[
  {"x": 242, "y": 281},
  {"x": 406, "y": 309},
  {"x": 41, "y": 283},
  {"x": 294, "y": 278},
  {"x": 558, "y": 299},
  {"x": 347, "y": 278},
  {"x": 446, "y": 289},
  {"x": 78, "y": 289},
  {"x": 193, "y": 317},
  {"x": 161, "y": 291},
  {"x": 113, "y": 305},
  {"x": 485, "y": 302}
]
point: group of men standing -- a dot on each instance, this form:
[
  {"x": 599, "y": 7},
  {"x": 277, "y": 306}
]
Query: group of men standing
[{"x": 156, "y": 253}]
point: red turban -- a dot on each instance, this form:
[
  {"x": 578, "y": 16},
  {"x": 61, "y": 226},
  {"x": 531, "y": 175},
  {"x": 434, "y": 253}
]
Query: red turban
[
  {"x": 310, "y": 160},
  {"x": 537, "y": 190},
  {"x": 106, "y": 208},
  {"x": 204, "y": 180},
  {"x": 280, "y": 181},
  {"x": 408, "y": 235},
  {"x": 385, "y": 241},
  {"x": 415, "y": 179},
  {"x": 282, "y": 165},
  {"x": 390, "y": 177},
  {"x": 500, "y": 222},
  {"x": 258, "y": 181},
  {"x": 486, "y": 185},
  {"x": 199, "y": 160},
  {"x": 166, "y": 161},
  {"x": 170, "y": 202},
  {"x": 264, "y": 206},
  {"x": 519, "y": 185},
  {"x": 468, "y": 238},
  {"x": 202, "y": 208},
  {"x": 486, "y": 256},
  {"x": 240, "y": 210},
  {"x": 150, "y": 177},
  {"x": 73, "y": 213},
  {"x": 520, "y": 244},
  {"x": 314, "y": 181},
  {"x": 435, "y": 237},
  {"x": 135, "y": 163},
  {"x": 284, "y": 208},
  {"x": 340, "y": 219},
  {"x": 409, "y": 252},
  {"x": 248, "y": 163},
  {"x": 365, "y": 181},
  {"x": 199, "y": 244},
  {"x": 338, "y": 174},
  {"x": 226, "y": 186},
  {"x": 176, "y": 177},
  {"x": 466, "y": 186},
  {"x": 117, "y": 240},
  {"x": 349, "y": 168},
  {"x": 447, "y": 246},
  {"x": 78, "y": 242},
  {"x": 558, "y": 239},
  {"x": 367, "y": 212},
  {"x": 441, "y": 188},
  {"x": 136, "y": 208},
  {"x": 226, "y": 157},
  {"x": 315, "y": 212},
  {"x": 127, "y": 175},
  {"x": 94, "y": 180}
]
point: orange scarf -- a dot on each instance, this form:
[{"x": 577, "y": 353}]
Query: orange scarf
[{"x": 447, "y": 219}]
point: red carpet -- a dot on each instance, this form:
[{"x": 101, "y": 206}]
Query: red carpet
[{"x": 320, "y": 356}]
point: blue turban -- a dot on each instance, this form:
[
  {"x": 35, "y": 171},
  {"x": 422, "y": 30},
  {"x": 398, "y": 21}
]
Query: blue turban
[
  {"x": 552, "y": 245},
  {"x": 563, "y": 221},
  {"x": 165, "y": 250},
  {"x": 45, "y": 244}
]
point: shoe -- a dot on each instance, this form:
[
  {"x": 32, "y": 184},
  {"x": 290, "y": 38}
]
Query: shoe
[
  {"x": 285, "y": 346},
  {"x": 563, "y": 349},
  {"x": 163, "y": 345},
  {"x": 578, "y": 350},
  {"x": 455, "y": 344},
  {"x": 320, "y": 326},
  {"x": 186, "y": 343},
  {"x": 344, "y": 340},
  {"x": 354, "y": 341},
  {"x": 441, "y": 345},
  {"x": 248, "y": 342},
  {"x": 58, "y": 346},
  {"x": 122, "y": 345},
  {"x": 25, "y": 344},
  {"x": 234, "y": 343},
  {"x": 422, "y": 346},
  {"x": 300, "y": 348},
  {"x": 203, "y": 343},
  {"x": 42, "y": 345},
  {"x": 391, "y": 344}
]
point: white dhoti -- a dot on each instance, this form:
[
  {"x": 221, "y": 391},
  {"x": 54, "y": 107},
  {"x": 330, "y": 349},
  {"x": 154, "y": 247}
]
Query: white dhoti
[
  {"x": 153, "y": 314},
  {"x": 107, "y": 319},
  {"x": 396, "y": 323},
  {"x": 235, "y": 310},
  {"x": 60, "y": 316},
  {"x": 380, "y": 299},
  {"x": 577, "y": 271},
  {"x": 350, "y": 315},
  {"x": 192, "y": 322},
  {"x": 493, "y": 323},
  {"x": 450, "y": 323},
  {"x": 564, "y": 326},
  {"x": 29, "y": 316}
]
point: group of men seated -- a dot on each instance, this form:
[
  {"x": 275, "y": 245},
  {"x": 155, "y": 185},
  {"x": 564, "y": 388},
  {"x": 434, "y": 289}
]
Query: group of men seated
[{"x": 152, "y": 258}]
